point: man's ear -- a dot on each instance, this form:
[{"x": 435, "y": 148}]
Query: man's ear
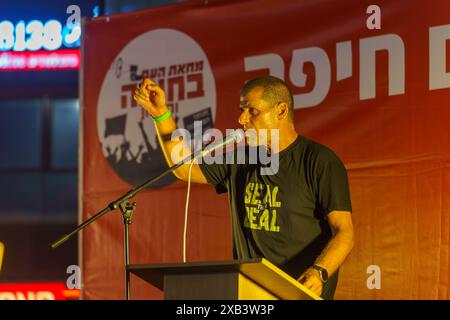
[{"x": 282, "y": 110}]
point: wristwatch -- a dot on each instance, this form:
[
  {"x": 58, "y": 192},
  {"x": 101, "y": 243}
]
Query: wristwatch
[{"x": 323, "y": 273}]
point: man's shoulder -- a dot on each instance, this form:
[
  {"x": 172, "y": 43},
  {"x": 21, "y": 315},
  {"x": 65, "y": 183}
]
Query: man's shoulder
[{"x": 319, "y": 151}]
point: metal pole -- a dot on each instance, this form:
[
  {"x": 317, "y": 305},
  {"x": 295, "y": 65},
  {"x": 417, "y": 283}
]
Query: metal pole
[{"x": 127, "y": 261}]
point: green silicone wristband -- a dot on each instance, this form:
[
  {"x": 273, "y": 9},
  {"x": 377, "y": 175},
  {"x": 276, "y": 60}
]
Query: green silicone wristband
[{"x": 163, "y": 117}]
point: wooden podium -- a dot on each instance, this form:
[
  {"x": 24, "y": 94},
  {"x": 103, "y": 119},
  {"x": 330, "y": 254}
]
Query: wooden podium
[{"x": 256, "y": 279}]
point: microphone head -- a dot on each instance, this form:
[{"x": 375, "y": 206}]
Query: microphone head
[{"x": 235, "y": 137}]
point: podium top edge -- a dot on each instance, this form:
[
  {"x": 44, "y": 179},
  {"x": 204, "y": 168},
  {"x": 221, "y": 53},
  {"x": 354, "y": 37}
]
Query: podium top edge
[{"x": 194, "y": 264}]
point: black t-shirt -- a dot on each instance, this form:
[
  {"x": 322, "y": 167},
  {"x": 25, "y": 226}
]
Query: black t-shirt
[{"x": 282, "y": 217}]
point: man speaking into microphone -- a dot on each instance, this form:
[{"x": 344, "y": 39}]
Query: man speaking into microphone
[{"x": 298, "y": 217}]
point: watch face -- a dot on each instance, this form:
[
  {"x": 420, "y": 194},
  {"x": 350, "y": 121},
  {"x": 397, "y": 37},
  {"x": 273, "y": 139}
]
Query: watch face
[
  {"x": 322, "y": 272},
  {"x": 324, "y": 275}
]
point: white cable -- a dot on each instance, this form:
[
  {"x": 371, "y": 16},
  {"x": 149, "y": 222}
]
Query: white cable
[
  {"x": 186, "y": 211},
  {"x": 236, "y": 137}
]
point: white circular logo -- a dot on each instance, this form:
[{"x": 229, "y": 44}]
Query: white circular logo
[{"x": 126, "y": 131}]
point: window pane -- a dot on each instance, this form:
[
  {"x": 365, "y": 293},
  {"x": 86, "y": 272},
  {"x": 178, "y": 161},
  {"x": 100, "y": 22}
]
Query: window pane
[
  {"x": 65, "y": 133},
  {"x": 21, "y": 195},
  {"x": 60, "y": 195},
  {"x": 20, "y": 133},
  {"x": 36, "y": 196}
]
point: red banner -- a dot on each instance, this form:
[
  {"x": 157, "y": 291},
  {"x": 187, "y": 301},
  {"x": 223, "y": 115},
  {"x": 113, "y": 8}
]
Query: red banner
[{"x": 371, "y": 83}]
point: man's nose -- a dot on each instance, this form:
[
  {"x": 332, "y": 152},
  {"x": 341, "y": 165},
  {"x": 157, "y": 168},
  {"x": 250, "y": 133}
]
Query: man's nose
[{"x": 243, "y": 118}]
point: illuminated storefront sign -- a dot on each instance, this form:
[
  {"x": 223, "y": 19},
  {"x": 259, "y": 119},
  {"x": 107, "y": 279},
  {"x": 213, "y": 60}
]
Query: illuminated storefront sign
[
  {"x": 39, "y": 46},
  {"x": 37, "y": 291},
  {"x": 40, "y": 60},
  {"x": 36, "y": 35}
]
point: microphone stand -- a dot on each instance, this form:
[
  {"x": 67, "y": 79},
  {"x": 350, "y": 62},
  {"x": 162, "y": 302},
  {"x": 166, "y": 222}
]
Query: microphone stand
[{"x": 127, "y": 210}]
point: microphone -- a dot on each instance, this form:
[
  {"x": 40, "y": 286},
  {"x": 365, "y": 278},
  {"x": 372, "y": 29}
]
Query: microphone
[{"x": 235, "y": 136}]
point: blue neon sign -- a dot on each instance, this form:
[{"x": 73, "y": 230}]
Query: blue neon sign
[{"x": 36, "y": 35}]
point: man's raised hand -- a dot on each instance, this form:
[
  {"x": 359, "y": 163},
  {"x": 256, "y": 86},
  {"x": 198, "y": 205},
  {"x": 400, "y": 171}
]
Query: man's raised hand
[{"x": 151, "y": 97}]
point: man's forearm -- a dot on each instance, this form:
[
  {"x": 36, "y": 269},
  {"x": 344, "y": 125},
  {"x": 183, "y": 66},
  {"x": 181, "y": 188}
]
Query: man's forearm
[
  {"x": 176, "y": 150},
  {"x": 336, "y": 251},
  {"x": 164, "y": 130}
]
